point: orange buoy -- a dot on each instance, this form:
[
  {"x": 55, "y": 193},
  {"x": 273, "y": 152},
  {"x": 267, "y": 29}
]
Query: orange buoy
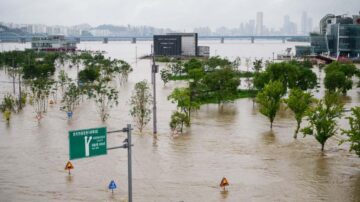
[
  {"x": 224, "y": 182},
  {"x": 69, "y": 166}
]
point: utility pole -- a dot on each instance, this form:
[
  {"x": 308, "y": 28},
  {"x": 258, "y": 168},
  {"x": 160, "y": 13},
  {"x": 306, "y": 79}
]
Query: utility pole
[
  {"x": 128, "y": 130},
  {"x": 127, "y": 145},
  {"x": 20, "y": 104},
  {"x": 154, "y": 70},
  {"x": 273, "y": 56},
  {"x": 135, "y": 54}
]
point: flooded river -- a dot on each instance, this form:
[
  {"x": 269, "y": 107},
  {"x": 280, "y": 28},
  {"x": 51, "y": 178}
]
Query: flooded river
[{"x": 234, "y": 141}]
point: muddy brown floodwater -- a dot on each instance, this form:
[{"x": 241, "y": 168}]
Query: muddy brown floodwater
[{"x": 232, "y": 141}]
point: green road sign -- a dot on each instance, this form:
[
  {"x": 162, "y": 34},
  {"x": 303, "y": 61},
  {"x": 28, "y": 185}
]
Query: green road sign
[{"x": 87, "y": 143}]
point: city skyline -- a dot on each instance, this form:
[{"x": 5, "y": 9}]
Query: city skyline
[
  {"x": 251, "y": 27},
  {"x": 179, "y": 15}
]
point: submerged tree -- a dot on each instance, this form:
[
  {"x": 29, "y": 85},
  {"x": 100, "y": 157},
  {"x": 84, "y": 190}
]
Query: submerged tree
[
  {"x": 339, "y": 76},
  {"x": 40, "y": 91},
  {"x": 105, "y": 97},
  {"x": 257, "y": 65},
  {"x": 236, "y": 63},
  {"x": 140, "y": 102},
  {"x": 176, "y": 68},
  {"x": 322, "y": 118},
  {"x": 7, "y": 106},
  {"x": 353, "y": 133},
  {"x": 178, "y": 121},
  {"x": 165, "y": 75},
  {"x": 124, "y": 69},
  {"x": 222, "y": 84},
  {"x": 63, "y": 79},
  {"x": 290, "y": 74},
  {"x": 299, "y": 102},
  {"x": 71, "y": 98},
  {"x": 182, "y": 98},
  {"x": 269, "y": 99}
]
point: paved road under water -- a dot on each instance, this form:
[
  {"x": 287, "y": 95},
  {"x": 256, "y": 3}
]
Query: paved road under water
[{"x": 233, "y": 141}]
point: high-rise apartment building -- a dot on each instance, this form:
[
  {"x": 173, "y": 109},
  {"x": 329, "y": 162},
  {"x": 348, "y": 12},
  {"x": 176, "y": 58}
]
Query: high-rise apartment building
[
  {"x": 259, "y": 23},
  {"x": 289, "y": 28},
  {"x": 306, "y": 24}
]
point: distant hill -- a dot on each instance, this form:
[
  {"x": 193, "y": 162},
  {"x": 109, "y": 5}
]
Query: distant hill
[
  {"x": 112, "y": 28},
  {"x": 4, "y": 30},
  {"x": 83, "y": 26}
]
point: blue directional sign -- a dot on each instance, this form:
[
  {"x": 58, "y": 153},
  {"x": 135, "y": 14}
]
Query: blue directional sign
[
  {"x": 69, "y": 114},
  {"x": 112, "y": 185}
]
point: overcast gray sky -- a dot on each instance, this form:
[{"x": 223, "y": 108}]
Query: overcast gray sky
[{"x": 176, "y": 14}]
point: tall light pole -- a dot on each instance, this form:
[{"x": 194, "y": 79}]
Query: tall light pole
[
  {"x": 154, "y": 70},
  {"x": 2, "y": 46},
  {"x": 273, "y": 56}
]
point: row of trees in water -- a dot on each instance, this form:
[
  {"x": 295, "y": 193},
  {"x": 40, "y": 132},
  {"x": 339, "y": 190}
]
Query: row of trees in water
[
  {"x": 36, "y": 72},
  {"x": 215, "y": 80},
  {"x": 290, "y": 83}
]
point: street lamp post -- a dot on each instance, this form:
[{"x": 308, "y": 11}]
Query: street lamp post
[
  {"x": 273, "y": 56},
  {"x": 154, "y": 70}
]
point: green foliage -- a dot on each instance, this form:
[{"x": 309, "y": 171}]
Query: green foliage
[
  {"x": 89, "y": 74},
  {"x": 353, "y": 133},
  {"x": 261, "y": 79},
  {"x": 176, "y": 78},
  {"x": 105, "y": 97},
  {"x": 176, "y": 68},
  {"x": 290, "y": 74},
  {"x": 236, "y": 63},
  {"x": 269, "y": 99},
  {"x": 63, "y": 78},
  {"x": 71, "y": 97},
  {"x": 306, "y": 79},
  {"x": 96, "y": 77},
  {"x": 245, "y": 74},
  {"x": 257, "y": 65},
  {"x": 322, "y": 118},
  {"x": 38, "y": 70},
  {"x": 122, "y": 68},
  {"x": 98, "y": 67},
  {"x": 184, "y": 101},
  {"x": 222, "y": 84},
  {"x": 163, "y": 59},
  {"x": 7, "y": 115},
  {"x": 23, "y": 98},
  {"x": 8, "y": 103},
  {"x": 178, "y": 121},
  {"x": 40, "y": 90},
  {"x": 140, "y": 104},
  {"x": 240, "y": 94},
  {"x": 192, "y": 64},
  {"x": 214, "y": 62},
  {"x": 299, "y": 102},
  {"x": 7, "y": 106},
  {"x": 165, "y": 75},
  {"x": 338, "y": 76},
  {"x": 304, "y": 64},
  {"x": 349, "y": 70}
]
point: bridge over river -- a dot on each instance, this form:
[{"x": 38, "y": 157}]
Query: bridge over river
[{"x": 133, "y": 39}]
